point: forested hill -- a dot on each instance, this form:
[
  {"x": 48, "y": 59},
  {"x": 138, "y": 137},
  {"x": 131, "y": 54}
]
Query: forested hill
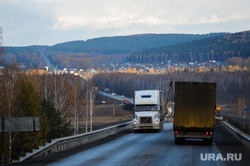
[
  {"x": 118, "y": 44},
  {"x": 127, "y": 44},
  {"x": 218, "y": 48}
]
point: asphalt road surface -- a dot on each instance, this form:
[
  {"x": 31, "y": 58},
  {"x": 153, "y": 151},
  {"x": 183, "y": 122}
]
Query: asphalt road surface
[
  {"x": 117, "y": 97},
  {"x": 153, "y": 149}
]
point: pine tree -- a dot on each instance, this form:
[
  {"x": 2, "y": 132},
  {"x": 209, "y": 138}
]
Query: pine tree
[
  {"x": 28, "y": 104},
  {"x": 58, "y": 125}
]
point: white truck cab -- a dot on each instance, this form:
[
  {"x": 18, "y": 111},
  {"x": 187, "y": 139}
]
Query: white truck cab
[{"x": 148, "y": 110}]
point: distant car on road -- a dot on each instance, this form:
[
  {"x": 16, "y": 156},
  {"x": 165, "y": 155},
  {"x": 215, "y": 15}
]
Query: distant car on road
[{"x": 106, "y": 90}]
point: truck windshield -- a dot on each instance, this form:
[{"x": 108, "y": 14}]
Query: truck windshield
[{"x": 145, "y": 108}]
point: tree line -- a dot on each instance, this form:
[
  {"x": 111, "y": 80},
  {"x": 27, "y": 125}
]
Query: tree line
[
  {"x": 218, "y": 48},
  {"x": 60, "y": 101},
  {"x": 35, "y": 58},
  {"x": 85, "y": 60},
  {"x": 230, "y": 85}
]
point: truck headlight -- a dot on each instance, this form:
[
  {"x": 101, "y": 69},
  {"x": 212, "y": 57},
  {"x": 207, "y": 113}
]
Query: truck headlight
[
  {"x": 135, "y": 123},
  {"x": 157, "y": 123}
]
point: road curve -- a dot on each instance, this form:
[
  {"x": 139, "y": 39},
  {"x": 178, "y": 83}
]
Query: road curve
[
  {"x": 145, "y": 149},
  {"x": 117, "y": 97}
]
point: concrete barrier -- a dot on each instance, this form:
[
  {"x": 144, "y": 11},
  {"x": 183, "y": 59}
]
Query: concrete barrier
[{"x": 66, "y": 143}]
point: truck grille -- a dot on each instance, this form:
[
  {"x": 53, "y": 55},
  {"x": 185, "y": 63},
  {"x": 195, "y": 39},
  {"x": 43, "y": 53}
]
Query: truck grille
[{"x": 146, "y": 120}]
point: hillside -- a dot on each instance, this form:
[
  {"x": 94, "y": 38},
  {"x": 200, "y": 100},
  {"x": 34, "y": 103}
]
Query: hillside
[
  {"x": 127, "y": 44},
  {"x": 218, "y": 48},
  {"x": 94, "y": 52}
]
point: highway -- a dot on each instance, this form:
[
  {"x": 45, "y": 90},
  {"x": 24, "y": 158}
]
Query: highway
[
  {"x": 117, "y": 97},
  {"x": 153, "y": 149}
]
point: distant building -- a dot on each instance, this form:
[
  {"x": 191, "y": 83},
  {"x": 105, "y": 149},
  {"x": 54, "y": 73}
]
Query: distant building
[
  {"x": 37, "y": 72},
  {"x": 92, "y": 70}
]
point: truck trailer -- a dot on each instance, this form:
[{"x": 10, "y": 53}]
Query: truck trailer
[
  {"x": 148, "y": 110},
  {"x": 194, "y": 115}
]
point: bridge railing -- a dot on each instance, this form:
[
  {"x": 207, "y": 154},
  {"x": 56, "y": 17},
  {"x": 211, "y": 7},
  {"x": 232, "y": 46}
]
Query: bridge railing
[{"x": 65, "y": 143}]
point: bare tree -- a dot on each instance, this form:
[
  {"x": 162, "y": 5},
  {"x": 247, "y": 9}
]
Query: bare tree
[
  {"x": 46, "y": 86},
  {"x": 8, "y": 93},
  {"x": 76, "y": 106},
  {"x": 57, "y": 89},
  {"x": 63, "y": 95},
  {"x": 90, "y": 95},
  {"x": 86, "y": 102},
  {"x": 36, "y": 81},
  {"x": 241, "y": 104}
]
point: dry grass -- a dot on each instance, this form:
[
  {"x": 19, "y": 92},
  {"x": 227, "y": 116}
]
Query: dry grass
[
  {"x": 108, "y": 119},
  {"x": 109, "y": 114},
  {"x": 106, "y": 114}
]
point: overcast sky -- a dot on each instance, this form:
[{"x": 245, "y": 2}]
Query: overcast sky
[{"x": 48, "y": 22}]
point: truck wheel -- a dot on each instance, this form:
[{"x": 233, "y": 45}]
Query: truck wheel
[
  {"x": 208, "y": 141},
  {"x": 180, "y": 140},
  {"x": 177, "y": 141},
  {"x": 136, "y": 131}
]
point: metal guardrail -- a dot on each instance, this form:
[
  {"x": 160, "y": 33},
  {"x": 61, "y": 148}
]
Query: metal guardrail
[
  {"x": 239, "y": 123},
  {"x": 65, "y": 143},
  {"x": 236, "y": 130}
]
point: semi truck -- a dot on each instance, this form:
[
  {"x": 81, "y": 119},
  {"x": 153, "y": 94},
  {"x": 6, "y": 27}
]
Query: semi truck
[
  {"x": 194, "y": 115},
  {"x": 148, "y": 110}
]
